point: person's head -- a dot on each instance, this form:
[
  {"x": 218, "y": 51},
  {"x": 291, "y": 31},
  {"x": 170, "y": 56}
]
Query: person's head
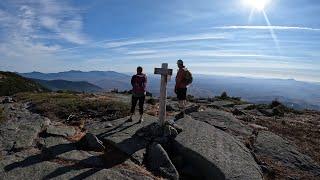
[
  {"x": 180, "y": 63},
  {"x": 139, "y": 70}
]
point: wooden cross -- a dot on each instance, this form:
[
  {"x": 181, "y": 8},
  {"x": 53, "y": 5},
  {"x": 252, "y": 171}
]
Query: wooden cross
[{"x": 164, "y": 72}]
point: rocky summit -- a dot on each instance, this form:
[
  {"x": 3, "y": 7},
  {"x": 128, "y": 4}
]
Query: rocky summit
[{"x": 49, "y": 136}]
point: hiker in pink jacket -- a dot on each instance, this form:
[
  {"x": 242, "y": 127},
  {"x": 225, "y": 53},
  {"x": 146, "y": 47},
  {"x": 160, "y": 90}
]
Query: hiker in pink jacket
[{"x": 138, "y": 82}]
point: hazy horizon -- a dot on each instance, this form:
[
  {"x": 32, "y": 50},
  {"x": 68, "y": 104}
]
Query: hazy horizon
[
  {"x": 271, "y": 40},
  {"x": 196, "y": 74}
]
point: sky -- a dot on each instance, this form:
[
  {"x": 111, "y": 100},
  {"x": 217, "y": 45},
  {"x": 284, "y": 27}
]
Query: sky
[{"x": 230, "y": 38}]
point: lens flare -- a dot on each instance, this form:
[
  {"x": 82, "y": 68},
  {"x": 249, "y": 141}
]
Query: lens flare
[
  {"x": 260, "y": 5},
  {"x": 257, "y": 4}
]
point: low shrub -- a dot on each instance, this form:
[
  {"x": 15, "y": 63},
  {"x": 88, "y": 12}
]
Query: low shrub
[
  {"x": 275, "y": 103},
  {"x": 151, "y": 101},
  {"x": 224, "y": 95}
]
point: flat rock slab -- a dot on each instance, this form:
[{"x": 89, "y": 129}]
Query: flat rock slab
[
  {"x": 214, "y": 153},
  {"x": 273, "y": 146},
  {"x": 61, "y": 148},
  {"x": 223, "y": 120},
  {"x": 243, "y": 106},
  {"x": 51, "y": 142},
  {"x": 61, "y": 130},
  {"x": 20, "y": 128},
  {"x": 30, "y": 166},
  {"x": 123, "y": 135},
  {"x": 222, "y": 104}
]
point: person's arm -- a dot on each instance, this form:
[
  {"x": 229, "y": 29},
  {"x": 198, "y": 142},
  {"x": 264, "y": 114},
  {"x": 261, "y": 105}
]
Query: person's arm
[
  {"x": 145, "y": 81},
  {"x": 175, "y": 87},
  {"x": 132, "y": 80}
]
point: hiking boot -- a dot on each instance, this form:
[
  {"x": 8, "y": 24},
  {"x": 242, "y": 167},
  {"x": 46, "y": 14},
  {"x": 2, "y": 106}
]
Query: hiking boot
[{"x": 140, "y": 120}]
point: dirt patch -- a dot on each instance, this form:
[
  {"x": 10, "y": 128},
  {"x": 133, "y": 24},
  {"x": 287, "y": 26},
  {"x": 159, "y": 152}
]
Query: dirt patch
[{"x": 277, "y": 170}]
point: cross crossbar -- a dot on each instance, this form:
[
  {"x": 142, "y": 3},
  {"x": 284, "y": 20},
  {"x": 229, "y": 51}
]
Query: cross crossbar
[{"x": 163, "y": 71}]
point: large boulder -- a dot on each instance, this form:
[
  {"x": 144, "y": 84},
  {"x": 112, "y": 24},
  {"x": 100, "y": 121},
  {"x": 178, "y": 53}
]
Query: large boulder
[
  {"x": 159, "y": 161},
  {"x": 224, "y": 121},
  {"x": 214, "y": 153},
  {"x": 272, "y": 146}
]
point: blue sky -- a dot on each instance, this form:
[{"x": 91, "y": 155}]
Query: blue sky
[{"x": 211, "y": 36}]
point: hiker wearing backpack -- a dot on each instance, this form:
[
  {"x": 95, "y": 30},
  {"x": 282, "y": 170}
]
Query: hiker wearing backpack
[
  {"x": 183, "y": 79},
  {"x": 138, "y": 82}
]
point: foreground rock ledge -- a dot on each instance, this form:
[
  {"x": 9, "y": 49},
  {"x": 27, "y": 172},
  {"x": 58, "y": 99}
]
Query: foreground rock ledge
[
  {"x": 26, "y": 165},
  {"x": 214, "y": 153}
]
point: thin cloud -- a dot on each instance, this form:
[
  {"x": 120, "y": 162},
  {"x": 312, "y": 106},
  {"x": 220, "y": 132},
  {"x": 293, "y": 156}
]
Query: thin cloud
[
  {"x": 201, "y": 53},
  {"x": 268, "y": 27},
  {"x": 138, "y": 52},
  {"x": 196, "y": 37},
  {"x": 46, "y": 18}
]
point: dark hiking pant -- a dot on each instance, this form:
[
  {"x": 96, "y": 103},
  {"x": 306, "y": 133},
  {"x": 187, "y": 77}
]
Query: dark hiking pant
[{"x": 134, "y": 101}]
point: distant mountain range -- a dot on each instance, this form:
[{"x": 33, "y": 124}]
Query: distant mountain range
[
  {"x": 105, "y": 79},
  {"x": 78, "y": 86},
  {"x": 293, "y": 93}
]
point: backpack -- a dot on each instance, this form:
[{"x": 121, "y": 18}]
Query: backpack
[
  {"x": 139, "y": 83},
  {"x": 188, "y": 77}
]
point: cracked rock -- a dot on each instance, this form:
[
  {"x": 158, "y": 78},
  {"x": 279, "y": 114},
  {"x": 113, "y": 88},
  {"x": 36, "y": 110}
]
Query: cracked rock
[{"x": 159, "y": 161}]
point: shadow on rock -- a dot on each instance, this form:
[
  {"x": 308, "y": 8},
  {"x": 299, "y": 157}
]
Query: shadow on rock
[
  {"x": 110, "y": 159},
  {"x": 46, "y": 155}
]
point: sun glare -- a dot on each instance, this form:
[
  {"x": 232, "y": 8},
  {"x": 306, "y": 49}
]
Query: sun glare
[{"x": 257, "y": 4}]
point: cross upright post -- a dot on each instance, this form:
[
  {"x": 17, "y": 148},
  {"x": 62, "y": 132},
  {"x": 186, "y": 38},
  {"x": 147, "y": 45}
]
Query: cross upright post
[{"x": 164, "y": 72}]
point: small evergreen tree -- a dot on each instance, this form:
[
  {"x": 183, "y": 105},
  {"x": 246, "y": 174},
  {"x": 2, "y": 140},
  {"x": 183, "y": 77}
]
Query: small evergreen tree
[{"x": 224, "y": 95}]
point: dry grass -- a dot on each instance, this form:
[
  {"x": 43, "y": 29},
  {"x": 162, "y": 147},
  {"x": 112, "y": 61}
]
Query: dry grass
[{"x": 58, "y": 106}]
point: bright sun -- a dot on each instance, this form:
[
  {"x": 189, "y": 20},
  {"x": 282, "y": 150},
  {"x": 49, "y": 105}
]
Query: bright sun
[{"x": 257, "y": 4}]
